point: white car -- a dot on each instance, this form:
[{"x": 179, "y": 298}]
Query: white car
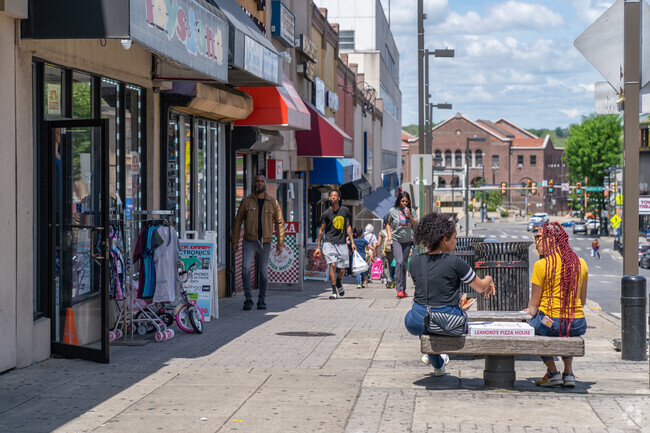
[{"x": 543, "y": 215}]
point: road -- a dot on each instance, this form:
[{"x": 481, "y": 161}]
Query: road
[{"x": 604, "y": 275}]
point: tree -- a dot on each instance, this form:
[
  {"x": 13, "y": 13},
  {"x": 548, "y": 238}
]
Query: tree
[
  {"x": 412, "y": 129},
  {"x": 592, "y": 147}
]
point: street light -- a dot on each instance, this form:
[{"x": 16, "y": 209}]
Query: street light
[
  {"x": 477, "y": 140},
  {"x": 483, "y": 193},
  {"x": 427, "y": 106}
]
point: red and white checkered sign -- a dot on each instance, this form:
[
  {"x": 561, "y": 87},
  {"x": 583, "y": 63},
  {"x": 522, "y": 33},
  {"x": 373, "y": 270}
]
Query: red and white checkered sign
[{"x": 285, "y": 267}]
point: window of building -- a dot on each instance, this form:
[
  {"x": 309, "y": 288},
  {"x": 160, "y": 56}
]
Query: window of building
[
  {"x": 520, "y": 160},
  {"x": 388, "y": 160},
  {"x": 495, "y": 161},
  {"x": 447, "y": 158},
  {"x": 390, "y": 106},
  {"x": 478, "y": 157},
  {"x": 438, "y": 158},
  {"x": 389, "y": 60},
  {"x": 533, "y": 160},
  {"x": 346, "y": 40},
  {"x": 458, "y": 156}
]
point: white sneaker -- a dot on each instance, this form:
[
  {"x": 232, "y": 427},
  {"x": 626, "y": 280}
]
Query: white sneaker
[
  {"x": 334, "y": 295},
  {"x": 425, "y": 359},
  {"x": 441, "y": 371}
]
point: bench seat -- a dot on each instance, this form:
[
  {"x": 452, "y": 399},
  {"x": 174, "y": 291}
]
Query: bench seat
[
  {"x": 500, "y": 352},
  {"x": 498, "y": 316}
]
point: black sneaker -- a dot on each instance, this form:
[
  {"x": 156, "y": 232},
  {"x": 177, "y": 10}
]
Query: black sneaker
[
  {"x": 248, "y": 304},
  {"x": 341, "y": 290},
  {"x": 261, "y": 305},
  {"x": 334, "y": 294}
]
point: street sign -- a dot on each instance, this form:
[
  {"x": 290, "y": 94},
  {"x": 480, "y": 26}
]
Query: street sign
[
  {"x": 594, "y": 188},
  {"x": 565, "y": 187},
  {"x": 602, "y": 44},
  {"x": 619, "y": 199},
  {"x": 606, "y": 98},
  {"x": 616, "y": 221}
]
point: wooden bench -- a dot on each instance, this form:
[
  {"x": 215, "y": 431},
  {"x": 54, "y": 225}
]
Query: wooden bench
[{"x": 500, "y": 352}]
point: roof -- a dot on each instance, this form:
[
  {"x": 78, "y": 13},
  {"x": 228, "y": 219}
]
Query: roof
[
  {"x": 515, "y": 129},
  {"x": 531, "y": 143},
  {"x": 496, "y": 128},
  {"x": 490, "y": 131}
]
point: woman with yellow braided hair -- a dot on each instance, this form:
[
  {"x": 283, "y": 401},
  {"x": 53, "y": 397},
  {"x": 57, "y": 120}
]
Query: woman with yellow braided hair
[{"x": 559, "y": 291}]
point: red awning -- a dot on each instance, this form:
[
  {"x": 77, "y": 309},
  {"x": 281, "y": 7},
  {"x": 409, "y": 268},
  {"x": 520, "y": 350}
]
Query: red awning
[
  {"x": 276, "y": 108},
  {"x": 325, "y": 139}
]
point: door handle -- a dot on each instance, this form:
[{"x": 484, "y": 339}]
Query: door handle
[{"x": 104, "y": 254}]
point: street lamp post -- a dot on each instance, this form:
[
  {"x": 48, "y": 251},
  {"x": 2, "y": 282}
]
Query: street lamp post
[
  {"x": 467, "y": 161},
  {"x": 428, "y": 112},
  {"x": 483, "y": 194}
]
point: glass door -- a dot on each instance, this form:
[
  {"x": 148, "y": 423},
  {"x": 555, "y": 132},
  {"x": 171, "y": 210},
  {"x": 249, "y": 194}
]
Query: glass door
[{"x": 79, "y": 266}]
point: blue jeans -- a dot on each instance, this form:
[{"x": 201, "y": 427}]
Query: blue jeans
[
  {"x": 361, "y": 277},
  {"x": 578, "y": 327},
  {"x": 414, "y": 322},
  {"x": 261, "y": 251}
]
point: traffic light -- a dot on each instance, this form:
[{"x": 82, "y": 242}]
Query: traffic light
[
  {"x": 438, "y": 204},
  {"x": 533, "y": 190},
  {"x": 614, "y": 187},
  {"x": 504, "y": 187},
  {"x": 578, "y": 188},
  {"x": 550, "y": 186},
  {"x": 528, "y": 184}
]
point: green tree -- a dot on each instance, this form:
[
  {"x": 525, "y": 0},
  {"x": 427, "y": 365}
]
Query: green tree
[
  {"x": 592, "y": 147},
  {"x": 412, "y": 129}
]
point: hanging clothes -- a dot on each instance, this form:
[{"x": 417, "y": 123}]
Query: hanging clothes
[
  {"x": 148, "y": 241},
  {"x": 165, "y": 260},
  {"x": 116, "y": 262}
]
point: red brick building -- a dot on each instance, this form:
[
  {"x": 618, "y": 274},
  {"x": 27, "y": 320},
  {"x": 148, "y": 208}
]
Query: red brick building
[{"x": 509, "y": 154}]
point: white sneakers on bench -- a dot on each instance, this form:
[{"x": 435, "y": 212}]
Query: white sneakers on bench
[{"x": 437, "y": 371}]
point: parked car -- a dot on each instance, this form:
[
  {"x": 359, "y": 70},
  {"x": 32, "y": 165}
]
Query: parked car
[
  {"x": 567, "y": 224},
  {"x": 580, "y": 227},
  {"x": 643, "y": 249}
]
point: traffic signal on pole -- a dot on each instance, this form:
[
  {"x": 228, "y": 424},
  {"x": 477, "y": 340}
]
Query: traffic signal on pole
[
  {"x": 550, "y": 186},
  {"x": 578, "y": 188},
  {"x": 533, "y": 190},
  {"x": 504, "y": 187},
  {"x": 438, "y": 203},
  {"x": 614, "y": 187}
]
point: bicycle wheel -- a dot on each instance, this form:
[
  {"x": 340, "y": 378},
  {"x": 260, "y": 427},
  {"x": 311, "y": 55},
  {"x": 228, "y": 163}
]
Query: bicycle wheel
[
  {"x": 196, "y": 318},
  {"x": 183, "y": 319}
]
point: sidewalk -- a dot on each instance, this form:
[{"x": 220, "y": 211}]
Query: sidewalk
[{"x": 310, "y": 364}]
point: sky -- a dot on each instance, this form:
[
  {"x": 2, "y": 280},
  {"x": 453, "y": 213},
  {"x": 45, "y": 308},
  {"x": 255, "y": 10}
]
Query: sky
[{"x": 514, "y": 59}]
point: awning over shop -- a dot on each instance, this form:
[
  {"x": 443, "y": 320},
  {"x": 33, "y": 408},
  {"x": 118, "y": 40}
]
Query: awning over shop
[
  {"x": 253, "y": 59},
  {"x": 276, "y": 108},
  {"x": 325, "y": 139},
  {"x": 379, "y": 202},
  {"x": 356, "y": 190},
  {"x": 214, "y": 101},
  {"x": 247, "y": 138},
  {"x": 334, "y": 171},
  {"x": 159, "y": 27}
]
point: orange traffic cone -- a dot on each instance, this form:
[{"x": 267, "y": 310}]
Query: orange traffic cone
[{"x": 70, "y": 329}]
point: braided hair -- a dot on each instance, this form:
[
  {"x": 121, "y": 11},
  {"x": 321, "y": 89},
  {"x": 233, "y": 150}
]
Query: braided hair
[
  {"x": 432, "y": 229},
  {"x": 554, "y": 243}
]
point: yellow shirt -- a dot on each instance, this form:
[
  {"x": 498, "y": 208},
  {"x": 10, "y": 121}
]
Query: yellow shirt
[{"x": 538, "y": 278}]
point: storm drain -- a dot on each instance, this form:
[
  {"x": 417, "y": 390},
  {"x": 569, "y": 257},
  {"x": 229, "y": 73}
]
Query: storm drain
[{"x": 304, "y": 334}]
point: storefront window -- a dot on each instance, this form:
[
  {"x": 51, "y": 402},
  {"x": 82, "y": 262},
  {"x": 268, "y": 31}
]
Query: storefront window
[
  {"x": 201, "y": 140},
  {"x": 188, "y": 175},
  {"x": 82, "y": 101},
  {"x": 173, "y": 168},
  {"x": 109, "y": 110},
  {"x": 240, "y": 181}
]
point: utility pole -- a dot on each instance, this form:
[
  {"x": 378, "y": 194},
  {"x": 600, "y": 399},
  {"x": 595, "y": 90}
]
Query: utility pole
[
  {"x": 467, "y": 162},
  {"x": 421, "y": 144},
  {"x": 631, "y": 134}
]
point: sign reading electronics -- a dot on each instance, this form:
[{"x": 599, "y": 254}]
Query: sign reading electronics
[{"x": 183, "y": 31}]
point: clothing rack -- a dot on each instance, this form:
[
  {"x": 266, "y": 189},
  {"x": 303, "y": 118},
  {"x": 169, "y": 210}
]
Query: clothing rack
[{"x": 128, "y": 311}]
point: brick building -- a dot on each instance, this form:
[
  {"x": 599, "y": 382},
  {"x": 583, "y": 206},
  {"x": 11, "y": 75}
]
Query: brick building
[{"x": 509, "y": 154}]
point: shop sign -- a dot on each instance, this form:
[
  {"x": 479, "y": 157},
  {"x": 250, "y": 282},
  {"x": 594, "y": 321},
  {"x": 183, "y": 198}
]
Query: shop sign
[
  {"x": 319, "y": 95},
  {"x": 332, "y": 100},
  {"x": 284, "y": 267},
  {"x": 274, "y": 168},
  {"x": 260, "y": 61},
  {"x": 200, "y": 286},
  {"x": 307, "y": 47},
  {"x": 644, "y": 205},
  {"x": 308, "y": 70},
  {"x": 183, "y": 31},
  {"x": 283, "y": 24}
]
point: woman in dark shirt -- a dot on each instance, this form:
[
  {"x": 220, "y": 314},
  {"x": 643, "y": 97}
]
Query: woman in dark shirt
[{"x": 437, "y": 275}]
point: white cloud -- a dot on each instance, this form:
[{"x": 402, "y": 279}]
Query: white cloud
[
  {"x": 589, "y": 11},
  {"x": 572, "y": 113}
]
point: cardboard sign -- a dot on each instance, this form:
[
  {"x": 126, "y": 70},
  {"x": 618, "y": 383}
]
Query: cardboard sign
[{"x": 501, "y": 329}]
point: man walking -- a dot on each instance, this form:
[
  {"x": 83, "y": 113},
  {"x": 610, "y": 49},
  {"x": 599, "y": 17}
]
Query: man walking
[
  {"x": 258, "y": 211},
  {"x": 595, "y": 247},
  {"x": 335, "y": 223}
]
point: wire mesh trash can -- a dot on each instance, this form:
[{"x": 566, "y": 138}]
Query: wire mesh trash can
[
  {"x": 507, "y": 263},
  {"x": 465, "y": 250}
]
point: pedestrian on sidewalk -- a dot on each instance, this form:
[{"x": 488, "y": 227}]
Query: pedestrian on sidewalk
[
  {"x": 437, "y": 276},
  {"x": 386, "y": 251},
  {"x": 399, "y": 227},
  {"x": 335, "y": 225},
  {"x": 258, "y": 212},
  {"x": 363, "y": 249},
  {"x": 595, "y": 249},
  {"x": 369, "y": 236},
  {"x": 558, "y": 293}
]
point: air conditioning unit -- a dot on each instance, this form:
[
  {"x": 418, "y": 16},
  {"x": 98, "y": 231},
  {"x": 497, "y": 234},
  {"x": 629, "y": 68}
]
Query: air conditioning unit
[{"x": 520, "y": 165}]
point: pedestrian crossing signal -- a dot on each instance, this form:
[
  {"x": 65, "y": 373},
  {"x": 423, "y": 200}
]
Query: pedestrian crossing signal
[
  {"x": 438, "y": 204},
  {"x": 578, "y": 188},
  {"x": 503, "y": 188},
  {"x": 550, "y": 186}
]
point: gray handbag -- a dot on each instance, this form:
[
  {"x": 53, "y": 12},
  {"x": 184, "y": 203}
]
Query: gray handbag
[{"x": 440, "y": 322}]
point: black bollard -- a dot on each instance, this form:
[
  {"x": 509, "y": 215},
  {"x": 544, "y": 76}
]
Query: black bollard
[{"x": 634, "y": 299}]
